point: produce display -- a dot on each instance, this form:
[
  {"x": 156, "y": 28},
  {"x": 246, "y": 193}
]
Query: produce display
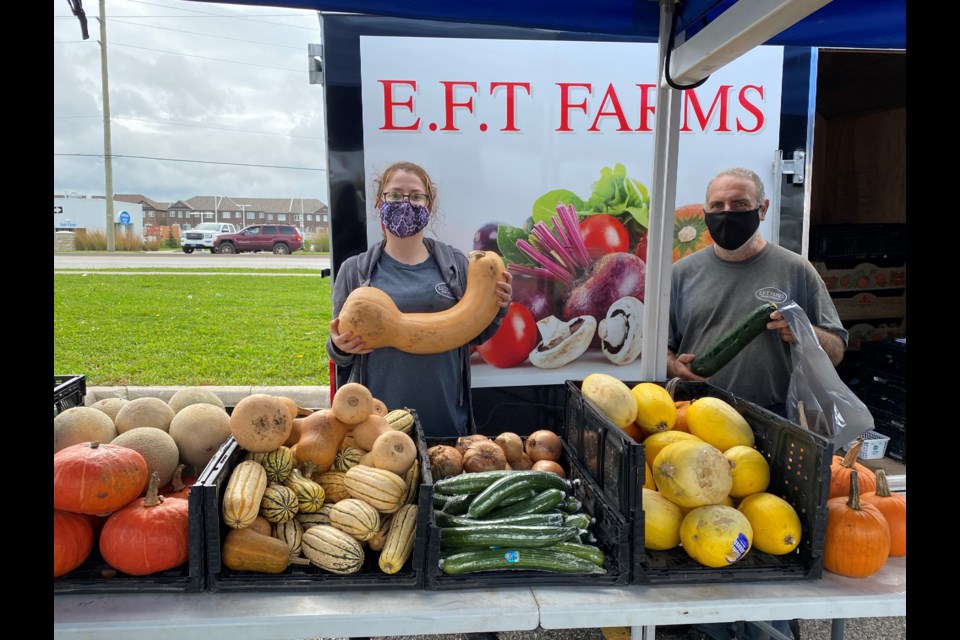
[
  {"x": 711, "y": 496},
  {"x": 121, "y": 470},
  {"x": 341, "y": 486},
  {"x": 501, "y": 512}
]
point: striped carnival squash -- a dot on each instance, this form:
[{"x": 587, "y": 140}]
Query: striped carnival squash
[
  {"x": 347, "y": 457},
  {"x": 242, "y": 495},
  {"x": 290, "y": 532},
  {"x": 333, "y": 483},
  {"x": 279, "y": 503},
  {"x": 400, "y": 538},
  {"x": 400, "y": 420},
  {"x": 355, "y": 517},
  {"x": 322, "y": 516},
  {"x": 332, "y": 550},
  {"x": 690, "y": 231},
  {"x": 277, "y": 463},
  {"x": 382, "y": 489},
  {"x": 310, "y": 494}
]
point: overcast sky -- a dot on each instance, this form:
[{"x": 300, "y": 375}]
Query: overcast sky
[{"x": 205, "y": 99}]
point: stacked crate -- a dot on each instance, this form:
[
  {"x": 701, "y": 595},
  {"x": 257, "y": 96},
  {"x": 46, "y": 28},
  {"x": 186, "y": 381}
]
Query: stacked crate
[{"x": 883, "y": 388}]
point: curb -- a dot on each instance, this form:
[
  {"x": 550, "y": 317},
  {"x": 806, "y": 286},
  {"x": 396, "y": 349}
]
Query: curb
[{"x": 307, "y": 397}]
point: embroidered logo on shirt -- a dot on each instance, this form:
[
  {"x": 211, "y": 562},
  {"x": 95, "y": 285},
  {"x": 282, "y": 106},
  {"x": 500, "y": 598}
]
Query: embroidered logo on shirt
[
  {"x": 771, "y": 294},
  {"x": 443, "y": 290}
]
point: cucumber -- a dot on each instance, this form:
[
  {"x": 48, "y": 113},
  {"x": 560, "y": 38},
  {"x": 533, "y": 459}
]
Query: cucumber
[
  {"x": 579, "y": 520},
  {"x": 733, "y": 341},
  {"x": 539, "y": 503},
  {"x": 468, "y": 482},
  {"x": 515, "y": 559},
  {"x": 491, "y": 497},
  {"x": 458, "y": 504},
  {"x": 504, "y": 536},
  {"x": 585, "y": 551},
  {"x": 539, "y": 519},
  {"x": 570, "y": 504}
]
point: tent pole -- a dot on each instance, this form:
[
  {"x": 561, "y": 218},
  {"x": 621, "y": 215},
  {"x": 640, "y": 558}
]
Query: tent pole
[{"x": 663, "y": 194}]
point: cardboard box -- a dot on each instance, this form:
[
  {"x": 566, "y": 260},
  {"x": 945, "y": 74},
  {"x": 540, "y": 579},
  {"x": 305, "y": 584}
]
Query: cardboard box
[{"x": 863, "y": 276}]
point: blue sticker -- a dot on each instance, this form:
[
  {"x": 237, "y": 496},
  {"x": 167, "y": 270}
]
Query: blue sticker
[
  {"x": 511, "y": 556},
  {"x": 741, "y": 545}
]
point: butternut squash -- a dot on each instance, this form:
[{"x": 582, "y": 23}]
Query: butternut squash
[
  {"x": 320, "y": 436},
  {"x": 370, "y": 314},
  {"x": 394, "y": 451},
  {"x": 352, "y": 403},
  {"x": 247, "y": 550},
  {"x": 367, "y": 432}
]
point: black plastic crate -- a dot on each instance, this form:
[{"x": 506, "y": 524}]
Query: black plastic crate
[
  {"x": 68, "y": 392},
  {"x": 897, "y": 447},
  {"x": 612, "y": 530},
  {"x": 96, "y": 576},
  {"x": 885, "y": 358},
  {"x": 799, "y": 473},
  {"x": 883, "y": 395},
  {"x": 306, "y": 577},
  {"x": 876, "y": 242}
]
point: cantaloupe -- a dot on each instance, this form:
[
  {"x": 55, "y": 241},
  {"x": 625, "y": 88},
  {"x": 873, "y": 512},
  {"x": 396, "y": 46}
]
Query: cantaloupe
[
  {"x": 110, "y": 406},
  {"x": 199, "y": 430},
  {"x": 194, "y": 395},
  {"x": 144, "y": 412},
  {"x": 157, "y": 448},
  {"x": 82, "y": 424}
]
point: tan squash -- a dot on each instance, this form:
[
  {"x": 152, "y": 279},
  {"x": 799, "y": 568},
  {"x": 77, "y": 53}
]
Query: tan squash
[
  {"x": 247, "y": 550},
  {"x": 399, "y": 541},
  {"x": 320, "y": 436},
  {"x": 332, "y": 550},
  {"x": 394, "y": 451},
  {"x": 242, "y": 495},
  {"x": 366, "y": 432},
  {"x": 355, "y": 517},
  {"x": 370, "y": 314},
  {"x": 382, "y": 489},
  {"x": 352, "y": 403},
  {"x": 261, "y": 422}
]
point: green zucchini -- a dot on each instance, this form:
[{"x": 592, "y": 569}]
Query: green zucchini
[
  {"x": 504, "y": 536},
  {"x": 585, "y": 551},
  {"x": 733, "y": 341},
  {"x": 579, "y": 520},
  {"x": 468, "y": 482},
  {"x": 514, "y": 559},
  {"x": 540, "y": 519},
  {"x": 491, "y": 497},
  {"x": 540, "y": 502}
]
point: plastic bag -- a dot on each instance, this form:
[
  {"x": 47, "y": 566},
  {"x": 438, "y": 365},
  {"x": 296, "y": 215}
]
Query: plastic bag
[{"x": 830, "y": 409}]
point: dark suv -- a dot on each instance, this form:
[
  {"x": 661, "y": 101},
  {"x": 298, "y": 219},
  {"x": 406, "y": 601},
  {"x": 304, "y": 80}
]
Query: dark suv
[{"x": 278, "y": 238}]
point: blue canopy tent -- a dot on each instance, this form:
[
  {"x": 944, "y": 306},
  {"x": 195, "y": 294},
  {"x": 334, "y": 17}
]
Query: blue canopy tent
[{"x": 696, "y": 37}]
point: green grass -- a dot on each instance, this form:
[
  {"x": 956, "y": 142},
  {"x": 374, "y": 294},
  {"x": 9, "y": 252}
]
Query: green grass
[{"x": 190, "y": 330}]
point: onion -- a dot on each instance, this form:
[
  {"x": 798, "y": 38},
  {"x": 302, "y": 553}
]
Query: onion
[
  {"x": 544, "y": 445},
  {"x": 550, "y": 467},
  {"x": 445, "y": 461},
  {"x": 484, "y": 455},
  {"x": 465, "y": 441},
  {"x": 523, "y": 463},
  {"x": 511, "y": 444}
]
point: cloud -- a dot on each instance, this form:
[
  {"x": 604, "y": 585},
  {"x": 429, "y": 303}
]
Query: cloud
[{"x": 205, "y": 99}]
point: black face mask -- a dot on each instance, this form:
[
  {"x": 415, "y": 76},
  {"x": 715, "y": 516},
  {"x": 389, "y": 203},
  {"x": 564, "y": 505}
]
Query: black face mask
[{"x": 731, "y": 229}]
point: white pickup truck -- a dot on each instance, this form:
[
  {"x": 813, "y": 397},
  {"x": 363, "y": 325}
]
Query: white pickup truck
[{"x": 201, "y": 236}]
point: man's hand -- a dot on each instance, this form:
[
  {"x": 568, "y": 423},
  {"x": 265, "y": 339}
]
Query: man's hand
[{"x": 679, "y": 366}]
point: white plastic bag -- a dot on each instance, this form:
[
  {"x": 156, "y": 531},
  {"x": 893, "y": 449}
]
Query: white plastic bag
[{"x": 830, "y": 409}]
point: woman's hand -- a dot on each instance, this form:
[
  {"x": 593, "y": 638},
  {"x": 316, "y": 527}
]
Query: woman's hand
[
  {"x": 505, "y": 290},
  {"x": 778, "y": 323},
  {"x": 346, "y": 342}
]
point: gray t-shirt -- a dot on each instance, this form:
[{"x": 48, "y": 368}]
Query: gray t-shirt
[
  {"x": 428, "y": 383},
  {"x": 709, "y": 295}
]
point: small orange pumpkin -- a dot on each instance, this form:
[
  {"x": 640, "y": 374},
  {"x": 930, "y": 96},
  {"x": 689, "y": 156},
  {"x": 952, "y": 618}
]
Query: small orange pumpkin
[
  {"x": 841, "y": 469},
  {"x": 148, "y": 535},
  {"x": 893, "y": 506},
  {"x": 681, "y": 423},
  {"x": 96, "y": 478},
  {"x": 72, "y": 541},
  {"x": 857, "y": 541}
]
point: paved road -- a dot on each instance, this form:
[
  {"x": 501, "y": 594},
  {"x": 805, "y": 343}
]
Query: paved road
[{"x": 97, "y": 260}]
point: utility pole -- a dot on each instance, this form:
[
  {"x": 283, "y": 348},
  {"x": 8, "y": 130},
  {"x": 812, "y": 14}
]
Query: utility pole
[{"x": 107, "y": 151}]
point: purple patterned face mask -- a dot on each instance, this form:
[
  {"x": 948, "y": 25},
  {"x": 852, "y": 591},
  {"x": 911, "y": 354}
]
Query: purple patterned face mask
[{"x": 403, "y": 219}]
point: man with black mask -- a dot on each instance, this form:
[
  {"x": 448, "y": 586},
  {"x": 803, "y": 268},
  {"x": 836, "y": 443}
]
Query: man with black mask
[{"x": 713, "y": 288}]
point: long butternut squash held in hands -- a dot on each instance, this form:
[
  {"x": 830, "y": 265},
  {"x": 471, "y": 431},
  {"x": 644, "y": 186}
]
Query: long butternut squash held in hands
[{"x": 370, "y": 313}]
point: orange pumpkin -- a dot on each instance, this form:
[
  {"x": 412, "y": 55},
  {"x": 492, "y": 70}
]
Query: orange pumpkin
[
  {"x": 681, "y": 423},
  {"x": 690, "y": 231},
  {"x": 841, "y": 469},
  {"x": 857, "y": 541},
  {"x": 96, "y": 478},
  {"x": 148, "y": 535},
  {"x": 179, "y": 486},
  {"x": 893, "y": 506},
  {"x": 72, "y": 541}
]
